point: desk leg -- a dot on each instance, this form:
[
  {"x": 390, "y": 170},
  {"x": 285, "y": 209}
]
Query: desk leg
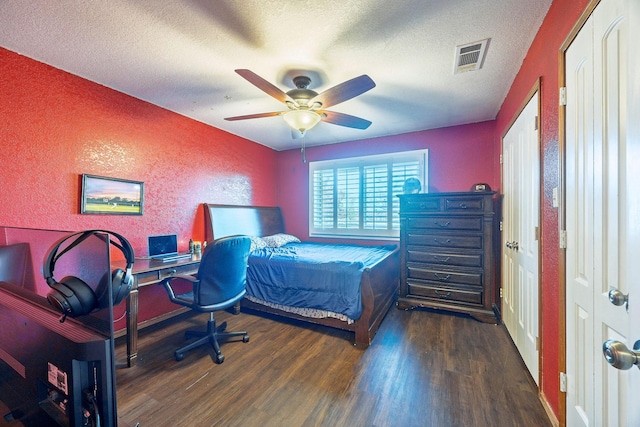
[{"x": 132, "y": 328}]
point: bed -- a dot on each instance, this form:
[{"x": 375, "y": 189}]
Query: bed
[{"x": 360, "y": 309}]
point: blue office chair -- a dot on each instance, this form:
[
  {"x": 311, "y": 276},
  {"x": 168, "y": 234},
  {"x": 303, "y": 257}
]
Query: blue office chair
[{"x": 219, "y": 284}]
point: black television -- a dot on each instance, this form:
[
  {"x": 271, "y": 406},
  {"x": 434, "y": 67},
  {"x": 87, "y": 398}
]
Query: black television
[{"x": 55, "y": 371}]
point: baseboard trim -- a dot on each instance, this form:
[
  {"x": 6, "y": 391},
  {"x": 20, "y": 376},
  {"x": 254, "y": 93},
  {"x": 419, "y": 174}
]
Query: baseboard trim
[{"x": 547, "y": 408}]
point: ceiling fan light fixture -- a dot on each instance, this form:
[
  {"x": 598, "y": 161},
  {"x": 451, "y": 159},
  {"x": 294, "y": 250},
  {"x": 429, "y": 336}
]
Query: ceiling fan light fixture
[
  {"x": 307, "y": 107},
  {"x": 301, "y": 120}
]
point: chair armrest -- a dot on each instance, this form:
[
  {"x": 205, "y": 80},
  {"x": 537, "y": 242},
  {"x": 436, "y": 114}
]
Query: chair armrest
[
  {"x": 167, "y": 283},
  {"x": 186, "y": 277}
]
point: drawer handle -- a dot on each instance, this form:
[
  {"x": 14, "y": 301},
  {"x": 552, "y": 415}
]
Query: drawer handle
[
  {"x": 463, "y": 206},
  {"x": 441, "y": 259},
  {"x": 442, "y": 294},
  {"x": 173, "y": 271},
  {"x": 440, "y": 242},
  {"x": 440, "y": 224},
  {"x": 442, "y": 278}
]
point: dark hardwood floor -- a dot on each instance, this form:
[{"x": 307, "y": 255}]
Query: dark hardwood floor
[{"x": 423, "y": 369}]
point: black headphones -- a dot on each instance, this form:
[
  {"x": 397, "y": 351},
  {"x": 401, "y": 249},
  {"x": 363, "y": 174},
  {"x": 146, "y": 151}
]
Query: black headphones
[{"x": 72, "y": 296}]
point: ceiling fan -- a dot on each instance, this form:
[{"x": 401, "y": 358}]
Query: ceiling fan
[{"x": 306, "y": 108}]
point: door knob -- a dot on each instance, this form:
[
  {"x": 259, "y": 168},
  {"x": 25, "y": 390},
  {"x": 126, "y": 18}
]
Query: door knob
[
  {"x": 619, "y": 356},
  {"x": 512, "y": 245},
  {"x": 618, "y": 298}
]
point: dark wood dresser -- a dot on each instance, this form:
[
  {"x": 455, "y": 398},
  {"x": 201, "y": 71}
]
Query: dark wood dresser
[{"x": 448, "y": 253}]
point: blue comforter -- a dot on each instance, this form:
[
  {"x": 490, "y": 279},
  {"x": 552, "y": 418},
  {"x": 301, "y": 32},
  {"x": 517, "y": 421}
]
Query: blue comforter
[{"x": 313, "y": 275}]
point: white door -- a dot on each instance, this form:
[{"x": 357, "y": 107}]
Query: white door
[
  {"x": 602, "y": 213},
  {"x": 521, "y": 207}
]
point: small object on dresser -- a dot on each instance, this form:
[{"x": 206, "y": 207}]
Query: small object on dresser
[
  {"x": 481, "y": 186},
  {"x": 411, "y": 186}
]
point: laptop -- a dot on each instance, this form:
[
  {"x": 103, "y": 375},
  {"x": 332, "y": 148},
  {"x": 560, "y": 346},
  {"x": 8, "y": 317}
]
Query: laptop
[{"x": 164, "y": 247}]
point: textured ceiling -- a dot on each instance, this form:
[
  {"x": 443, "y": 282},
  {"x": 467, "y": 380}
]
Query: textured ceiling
[{"x": 182, "y": 56}]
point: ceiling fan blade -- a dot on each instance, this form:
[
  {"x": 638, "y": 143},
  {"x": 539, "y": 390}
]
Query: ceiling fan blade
[
  {"x": 344, "y": 91},
  {"x": 342, "y": 119},
  {"x": 253, "y": 116},
  {"x": 264, "y": 85}
]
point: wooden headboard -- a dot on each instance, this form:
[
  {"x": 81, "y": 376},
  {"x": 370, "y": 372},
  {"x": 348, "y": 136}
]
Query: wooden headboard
[{"x": 229, "y": 220}]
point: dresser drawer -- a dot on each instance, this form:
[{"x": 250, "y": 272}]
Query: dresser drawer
[
  {"x": 472, "y": 223},
  {"x": 432, "y": 204},
  {"x": 443, "y": 293},
  {"x": 445, "y": 258},
  {"x": 417, "y": 271},
  {"x": 445, "y": 240},
  {"x": 468, "y": 203}
]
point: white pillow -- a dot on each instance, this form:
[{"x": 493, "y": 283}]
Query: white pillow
[
  {"x": 256, "y": 244},
  {"x": 277, "y": 240}
]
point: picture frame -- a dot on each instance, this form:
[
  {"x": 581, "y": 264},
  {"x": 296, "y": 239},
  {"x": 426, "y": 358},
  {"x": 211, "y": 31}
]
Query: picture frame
[{"x": 111, "y": 196}]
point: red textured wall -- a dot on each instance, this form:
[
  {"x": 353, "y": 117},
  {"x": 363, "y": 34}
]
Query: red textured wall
[
  {"x": 55, "y": 126},
  {"x": 542, "y": 61},
  {"x": 459, "y": 157}
]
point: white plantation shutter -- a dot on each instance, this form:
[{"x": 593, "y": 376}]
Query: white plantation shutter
[
  {"x": 348, "y": 198},
  {"x": 375, "y": 197},
  {"x": 356, "y": 197},
  {"x": 323, "y": 200},
  {"x": 401, "y": 171}
]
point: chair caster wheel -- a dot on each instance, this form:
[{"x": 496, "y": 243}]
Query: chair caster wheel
[
  {"x": 245, "y": 338},
  {"x": 219, "y": 358},
  {"x": 179, "y": 356}
]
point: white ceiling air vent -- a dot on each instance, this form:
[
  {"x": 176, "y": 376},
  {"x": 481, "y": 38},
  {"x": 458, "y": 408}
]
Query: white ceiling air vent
[{"x": 470, "y": 56}]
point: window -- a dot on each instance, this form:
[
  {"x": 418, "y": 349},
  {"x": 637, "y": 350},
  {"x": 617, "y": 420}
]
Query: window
[{"x": 356, "y": 197}]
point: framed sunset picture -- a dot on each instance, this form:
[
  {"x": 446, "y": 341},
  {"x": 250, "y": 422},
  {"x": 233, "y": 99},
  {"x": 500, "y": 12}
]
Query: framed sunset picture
[{"x": 114, "y": 196}]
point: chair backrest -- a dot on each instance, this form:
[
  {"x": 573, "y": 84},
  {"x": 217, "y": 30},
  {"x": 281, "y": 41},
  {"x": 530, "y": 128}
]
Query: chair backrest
[{"x": 223, "y": 270}]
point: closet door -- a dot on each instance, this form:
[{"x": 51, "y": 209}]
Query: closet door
[
  {"x": 602, "y": 213},
  {"x": 521, "y": 207}
]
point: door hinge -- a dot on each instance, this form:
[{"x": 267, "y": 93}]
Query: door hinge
[
  {"x": 563, "y": 382},
  {"x": 535, "y": 123},
  {"x": 563, "y": 96},
  {"x": 563, "y": 239},
  {"x": 500, "y": 292},
  {"x": 537, "y": 343},
  {"x": 501, "y": 226},
  {"x": 536, "y": 233},
  {"x": 501, "y": 159}
]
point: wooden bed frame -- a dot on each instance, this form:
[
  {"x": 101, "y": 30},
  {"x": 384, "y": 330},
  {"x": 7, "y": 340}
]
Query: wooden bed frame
[{"x": 378, "y": 285}]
